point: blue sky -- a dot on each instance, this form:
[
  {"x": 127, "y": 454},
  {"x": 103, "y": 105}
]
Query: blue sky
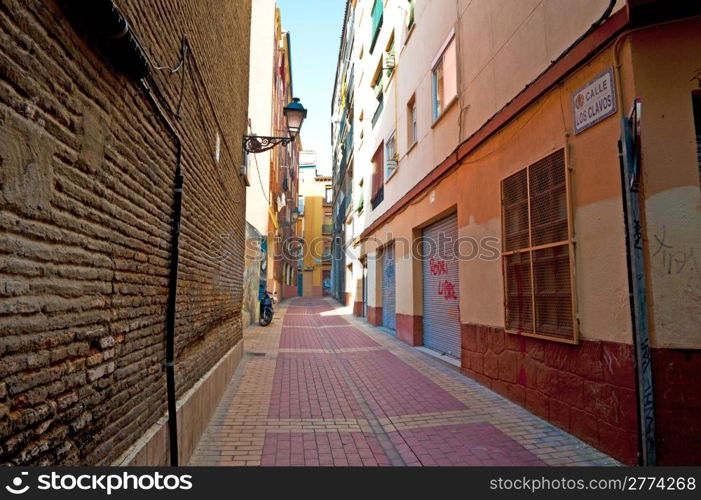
[{"x": 315, "y": 34}]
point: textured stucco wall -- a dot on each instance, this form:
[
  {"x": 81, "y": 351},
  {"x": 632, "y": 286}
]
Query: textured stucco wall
[{"x": 666, "y": 60}]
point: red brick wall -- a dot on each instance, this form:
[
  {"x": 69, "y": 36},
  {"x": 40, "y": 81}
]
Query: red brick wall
[
  {"x": 676, "y": 376},
  {"x": 586, "y": 389}
]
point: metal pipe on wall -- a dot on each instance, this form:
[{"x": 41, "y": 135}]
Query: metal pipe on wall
[
  {"x": 172, "y": 278},
  {"x": 122, "y": 48}
]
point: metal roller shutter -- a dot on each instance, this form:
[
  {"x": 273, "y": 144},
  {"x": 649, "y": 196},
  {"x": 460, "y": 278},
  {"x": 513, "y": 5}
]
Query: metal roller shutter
[
  {"x": 388, "y": 288},
  {"x": 441, "y": 320}
]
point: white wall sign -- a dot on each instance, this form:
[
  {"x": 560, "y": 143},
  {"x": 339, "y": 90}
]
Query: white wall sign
[{"x": 594, "y": 101}]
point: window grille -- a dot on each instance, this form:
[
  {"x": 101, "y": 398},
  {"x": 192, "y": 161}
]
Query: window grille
[{"x": 538, "y": 250}]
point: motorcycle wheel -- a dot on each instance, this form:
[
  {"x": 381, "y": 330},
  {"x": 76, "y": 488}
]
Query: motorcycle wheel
[{"x": 265, "y": 318}]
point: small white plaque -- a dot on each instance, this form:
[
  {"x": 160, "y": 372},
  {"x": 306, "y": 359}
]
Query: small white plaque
[{"x": 594, "y": 101}]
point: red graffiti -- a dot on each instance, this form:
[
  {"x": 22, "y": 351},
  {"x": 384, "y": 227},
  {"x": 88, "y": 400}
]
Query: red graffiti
[
  {"x": 438, "y": 267},
  {"x": 447, "y": 290}
]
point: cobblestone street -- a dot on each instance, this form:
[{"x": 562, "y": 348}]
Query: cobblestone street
[{"x": 318, "y": 387}]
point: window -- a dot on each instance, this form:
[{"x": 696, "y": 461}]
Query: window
[
  {"x": 327, "y": 224},
  {"x": 300, "y": 204},
  {"x": 328, "y": 195},
  {"x": 379, "y": 109},
  {"x": 377, "y": 10},
  {"x": 390, "y": 156},
  {"x": 378, "y": 181},
  {"x": 377, "y": 84},
  {"x": 287, "y": 274},
  {"x": 410, "y": 15},
  {"x": 537, "y": 250},
  {"x": 412, "y": 132},
  {"x": 444, "y": 78}
]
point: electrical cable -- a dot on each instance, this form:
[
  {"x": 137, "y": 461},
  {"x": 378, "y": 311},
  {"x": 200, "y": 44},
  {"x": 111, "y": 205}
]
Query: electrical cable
[
  {"x": 205, "y": 130},
  {"x": 211, "y": 105},
  {"x": 260, "y": 179},
  {"x": 179, "y": 66}
]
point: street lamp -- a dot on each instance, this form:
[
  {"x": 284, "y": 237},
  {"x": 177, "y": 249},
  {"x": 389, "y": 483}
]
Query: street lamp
[{"x": 294, "y": 113}]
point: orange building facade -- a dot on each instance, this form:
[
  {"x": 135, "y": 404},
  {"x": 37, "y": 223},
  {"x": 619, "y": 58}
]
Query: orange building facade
[{"x": 516, "y": 253}]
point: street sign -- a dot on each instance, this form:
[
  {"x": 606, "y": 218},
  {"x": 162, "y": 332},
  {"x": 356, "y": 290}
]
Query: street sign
[{"x": 594, "y": 101}]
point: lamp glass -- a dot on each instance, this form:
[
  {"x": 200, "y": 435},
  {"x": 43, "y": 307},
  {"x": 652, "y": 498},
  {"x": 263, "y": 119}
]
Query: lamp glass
[{"x": 295, "y": 115}]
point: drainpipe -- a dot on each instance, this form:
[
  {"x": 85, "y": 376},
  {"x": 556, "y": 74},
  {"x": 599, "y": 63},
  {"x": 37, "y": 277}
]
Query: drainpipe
[
  {"x": 119, "y": 44},
  {"x": 630, "y": 173},
  {"x": 173, "y": 277},
  {"x": 628, "y": 151}
]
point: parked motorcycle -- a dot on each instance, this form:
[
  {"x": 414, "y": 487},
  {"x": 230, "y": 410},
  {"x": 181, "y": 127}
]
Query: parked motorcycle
[{"x": 266, "y": 308}]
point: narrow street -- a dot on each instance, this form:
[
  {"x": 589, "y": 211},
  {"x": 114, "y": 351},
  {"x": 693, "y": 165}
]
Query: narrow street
[{"x": 320, "y": 388}]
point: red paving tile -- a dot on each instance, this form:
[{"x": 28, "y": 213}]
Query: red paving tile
[
  {"x": 310, "y": 386},
  {"x": 331, "y": 320},
  {"x": 336, "y": 337},
  {"x": 478, "y": 443},
  {"x": 368, "y": 407},
  {"x": 323, "y": 449},
  {"x": 293, "y": 337},
  {"x": 391, "y": 387},
  {"x": 342, "y": 337},
  {"x": 305, "y": 320}
]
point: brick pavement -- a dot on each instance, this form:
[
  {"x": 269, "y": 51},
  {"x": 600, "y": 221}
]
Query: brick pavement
[{"x": 320, "y": 388}]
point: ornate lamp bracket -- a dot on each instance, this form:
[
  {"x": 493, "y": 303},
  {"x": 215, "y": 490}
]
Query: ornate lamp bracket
[{"x": 259, "y": 143}]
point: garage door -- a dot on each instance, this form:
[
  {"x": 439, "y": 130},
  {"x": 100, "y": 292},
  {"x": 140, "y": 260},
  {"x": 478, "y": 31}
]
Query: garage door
[
  {"x": 388, "y": 288},
  {"x": 441, "y": 320}
]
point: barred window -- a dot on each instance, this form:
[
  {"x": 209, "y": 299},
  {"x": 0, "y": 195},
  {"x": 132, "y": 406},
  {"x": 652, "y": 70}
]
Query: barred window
[{"x": 537, "y": 251}]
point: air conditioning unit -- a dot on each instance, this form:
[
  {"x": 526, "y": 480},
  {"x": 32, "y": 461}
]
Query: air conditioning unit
[{"x": 388, "y": 60}]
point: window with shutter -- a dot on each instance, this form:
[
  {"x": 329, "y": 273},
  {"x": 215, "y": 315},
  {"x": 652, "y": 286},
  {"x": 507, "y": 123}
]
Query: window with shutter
[
  {"x": 378, "y": 181},
  {"x": 377, "y": 11},
  {"x": 537, "y": 251},
  {"x": 444, "y": 82}
]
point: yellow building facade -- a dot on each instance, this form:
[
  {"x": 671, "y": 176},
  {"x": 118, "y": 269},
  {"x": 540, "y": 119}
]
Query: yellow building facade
[{"x": 314, "y": 225}]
